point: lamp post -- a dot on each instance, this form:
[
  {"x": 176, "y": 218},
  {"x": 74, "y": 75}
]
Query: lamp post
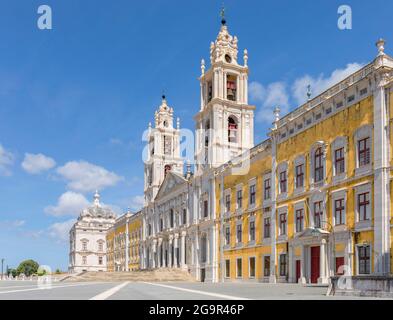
[{"x": 2, "y": 264}]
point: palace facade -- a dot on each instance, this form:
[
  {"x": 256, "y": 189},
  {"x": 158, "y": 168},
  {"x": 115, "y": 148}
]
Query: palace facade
[{"x": 311, "y": 201}]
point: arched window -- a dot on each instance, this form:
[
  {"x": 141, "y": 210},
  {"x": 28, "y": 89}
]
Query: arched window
[
  {"x": 167, "y": 168},
  {"x": 232, "y": 130},
  {"x": 318, "y": 165},
  {"x": 231, "y": 87}
]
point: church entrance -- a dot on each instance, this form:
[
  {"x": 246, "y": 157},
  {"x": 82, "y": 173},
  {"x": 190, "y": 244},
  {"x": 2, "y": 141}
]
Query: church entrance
[{"x": 315, "y": 257}]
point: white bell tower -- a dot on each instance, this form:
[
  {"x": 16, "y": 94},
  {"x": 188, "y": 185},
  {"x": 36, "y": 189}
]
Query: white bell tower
[
  {"x": 163, "y": 152},
  {"x": 225, "y": 121}
]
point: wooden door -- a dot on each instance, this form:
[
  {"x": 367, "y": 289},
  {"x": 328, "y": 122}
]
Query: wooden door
[
  {"x": 315, "y": 256},
  {"x": 298, "y": 266},
  {"x": 339, "y": 263}
]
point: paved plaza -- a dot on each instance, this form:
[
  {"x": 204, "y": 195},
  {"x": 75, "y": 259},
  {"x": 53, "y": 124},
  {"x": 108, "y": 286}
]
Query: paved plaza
[{"x": 20, "y": 290}]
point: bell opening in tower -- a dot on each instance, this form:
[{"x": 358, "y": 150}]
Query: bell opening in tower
[
  {"x": 209, "y": 91},
  {"x": 232, "y": 130},
  {"x": 167, "y": 169},
  {"x": 231, "y": 87}
]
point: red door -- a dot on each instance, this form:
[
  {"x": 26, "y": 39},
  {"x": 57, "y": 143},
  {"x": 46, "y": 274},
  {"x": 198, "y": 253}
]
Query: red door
[
  {"x": 339, "y": 263},
  {"x": 297, "y": 270},
  {"x": 314, "y": 264}
]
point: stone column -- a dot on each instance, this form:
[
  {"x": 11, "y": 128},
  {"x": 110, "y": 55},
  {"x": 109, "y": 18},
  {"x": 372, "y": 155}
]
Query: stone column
[
  {"x": 303, "y": 265},
  {"x": 322, "y": 263},
  {"x": 291, "y": 266},
  {"x": 127, "y": 245},
  {"x": 170, "y": 251},
  {"x": 183, "y": 250},
  {"x": 175, "y": 251}
]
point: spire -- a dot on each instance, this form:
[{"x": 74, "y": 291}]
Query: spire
[
  {"x": 164, "y": 114},
  {"x": 381, "y": 47},
  {"x": 222, "y": 15},
  {"x": 97, "y": 199}
]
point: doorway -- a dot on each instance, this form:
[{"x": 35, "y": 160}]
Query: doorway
[
  {"x": 315, "y": 256},
  {"x": 203, "y": 274},
  {"x": 298, "y": 266}
]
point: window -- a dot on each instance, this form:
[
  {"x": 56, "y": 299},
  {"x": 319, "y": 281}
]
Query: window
[
  {"x": 209, "y": 91},
  {"x": 205, "y": 209},
  {"x": 266, "y": 266},
  {"x": 283, "y": 265},
  {"x": 363, "y": 204},
  {"x": 339, "y": 211},
  {"x": 339, "y": 161},
  {"x": 266, "y": 228},
  {"x": 364, "y": 259},
  {"x": 364, "y": 151},
  {"x": 231, "y": 87},
  {"x": 252, "y": 267},
  {"x": 239, "y": 199},
  {"x": 171, "y": 218},
  {"x": 299, "y": 220},
  {"x": 283, "y": 224},
  {"x": 299, "y": 172},
  {"x": 252, "y": 230},
  {"x": 227, "y": 235},
  {"x": 149, "y": 229},
  {"x": 100, "y": 246},
  {"x": 239, "y": 233},
  {"x": 283, "y": 182},
  {"x": 84, "y": 260},
  {"x": 167, "y": 145},
  {"x": 184, "y": 216},
  {"x": 318, "y": 165},
  {"x": 228, "y": 202},
  {"x": 204, "y": 249},
  {"x": 318, "y": 212},
  {"x": 84, "y": 245},
  {"x": 239, "y": 268},
  {"x": 351, "y": 98},
  {"x": 252, "y": 194},
  {"x": 100, "y": 260},
  {"x": 227, "y": 268},
  {"x": 232, "y": 130},
  {"x": 161, "y": 224},
  {"x": 267, "y": 188}
]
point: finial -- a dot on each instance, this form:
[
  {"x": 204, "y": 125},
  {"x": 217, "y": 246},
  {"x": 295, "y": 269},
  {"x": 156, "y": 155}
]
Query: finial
[
  {"x": 222, "y": 15},
  {"x": 245, "y": 57},
  {"x": 203, "y": 66},
  {"x": 96, "y": 198},
  {"x": 309, "y": 92},
  {"x": 149, "y": 125},
  {"x": 381, "y": 47},
  {"x": 276, "y": 113},
  {"x": 178, "y": 123}
]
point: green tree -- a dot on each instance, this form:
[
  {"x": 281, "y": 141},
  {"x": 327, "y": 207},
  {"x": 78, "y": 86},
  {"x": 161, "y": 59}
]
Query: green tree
[
  {"x": 58, "y": 271},
  {"x": 27, "y": 267}
]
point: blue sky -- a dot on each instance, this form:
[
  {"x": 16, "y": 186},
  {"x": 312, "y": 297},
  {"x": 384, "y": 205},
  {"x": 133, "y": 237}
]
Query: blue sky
[{"x": 75, "y": 100}]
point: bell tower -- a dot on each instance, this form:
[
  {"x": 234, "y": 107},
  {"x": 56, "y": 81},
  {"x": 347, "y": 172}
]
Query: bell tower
[
  {"x": 225, "y": 121},
  {"x": 163, "y": 150}
]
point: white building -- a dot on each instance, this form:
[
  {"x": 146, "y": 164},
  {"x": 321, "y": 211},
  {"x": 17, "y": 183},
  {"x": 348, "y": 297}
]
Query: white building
[{"x": 88, "y": 238}]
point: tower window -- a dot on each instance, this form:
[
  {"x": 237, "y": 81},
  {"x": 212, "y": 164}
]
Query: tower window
[
  {"x": 209, "y": 91},
  {"x": 167, "y": 145},
  {"x": 167, "y": 168},
  {"x": 232, "y": 130},
  {"x": 231, "y": 87}
]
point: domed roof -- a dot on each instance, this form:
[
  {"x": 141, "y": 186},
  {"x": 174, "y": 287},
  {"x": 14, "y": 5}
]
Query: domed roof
[{"x": 96, "y": 210}]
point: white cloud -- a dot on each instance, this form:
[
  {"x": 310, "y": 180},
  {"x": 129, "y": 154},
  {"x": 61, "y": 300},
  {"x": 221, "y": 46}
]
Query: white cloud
[
  {"x": 321, "y": 83},
  {"x": 60, "y": 230},
  {"x": 83, "y": 176},
  {"x": 270, "y": 96},
  {"x": 69, "y": 204},
  {"x": 137, "y": 203},
  {"x": 37, "y": 163},
  {"x": 12, "y": 224},
  {"x": 6, "y": 161}
]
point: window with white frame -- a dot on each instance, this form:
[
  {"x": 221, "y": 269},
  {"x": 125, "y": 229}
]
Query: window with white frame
[
  {"x": 239, "y": 198},
  {"x": 227, "y": 235},
  {"x": 266, "y": 228},
  {"x": 363, "y": 139},
  {"x": 100, "y": 260},
  {"x": 283, "y": 181},
  {"x": 266, "y": 189},
  {"x": 363, "y": 206},
  {"x": 239, "y": 233},
  {"x": 364, "y": 259},
  {"x": 318, "y": 214},
  {"x": 339, "y": 211},
  {"x": 252, "y": 193},
  {"x": 283, "y": 224},
  {"x": 84, "y": 245},
  {"x": 228, "y": 202},
  {"x": 317, "y": 162},
  {"x": 299, "y": 219},
  {"x": 299, "y": 174},
  {"x": 84, "y": 260},
  {"x": 266, "y": 266},
  {"x": 283, "y": 265},
  {"x": 251, "y": 230}
]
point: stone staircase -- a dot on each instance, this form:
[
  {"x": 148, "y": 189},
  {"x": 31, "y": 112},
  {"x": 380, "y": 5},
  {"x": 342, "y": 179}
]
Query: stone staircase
[{"x": 159, "y": 275}]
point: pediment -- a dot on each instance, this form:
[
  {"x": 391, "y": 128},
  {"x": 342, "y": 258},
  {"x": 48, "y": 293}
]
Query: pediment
[{"x": 170, "y": 183}]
